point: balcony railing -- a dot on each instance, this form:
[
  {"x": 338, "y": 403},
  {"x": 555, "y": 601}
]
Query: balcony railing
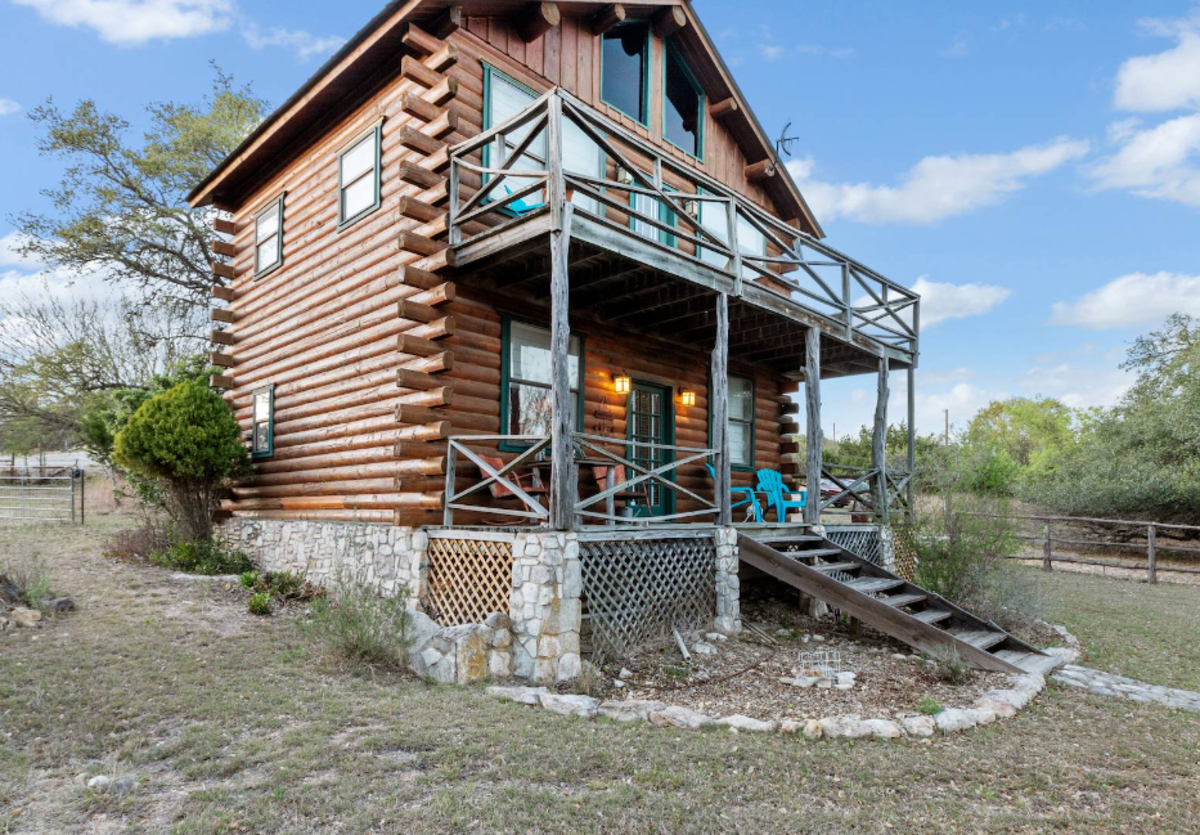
[{"x": 515, "y": 172}]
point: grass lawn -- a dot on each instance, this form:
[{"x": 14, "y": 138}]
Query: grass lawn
[{"x": 227, "y": 723}]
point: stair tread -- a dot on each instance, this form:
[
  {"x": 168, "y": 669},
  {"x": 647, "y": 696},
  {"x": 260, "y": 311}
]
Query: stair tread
[
  {"x": 871, "y": 584},
  {"x": 905, "y": 599},
  {"x": 816, "y": 552},
  {"x": 932, "y": 615},
  {"x": 837, "y": 566},
  {"x": 982, "y": 638}
]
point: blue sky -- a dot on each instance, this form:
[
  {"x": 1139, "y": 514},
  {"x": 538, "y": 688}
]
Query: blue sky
[{"x": 1034, "y": 168}]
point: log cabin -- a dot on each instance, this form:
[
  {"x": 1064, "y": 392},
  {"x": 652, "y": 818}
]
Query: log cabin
[{"x": 518, "y": 307}]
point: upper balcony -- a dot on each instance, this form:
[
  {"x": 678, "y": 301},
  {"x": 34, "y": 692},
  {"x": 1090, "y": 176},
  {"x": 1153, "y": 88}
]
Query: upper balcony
[{"x": 635, "y": 215}]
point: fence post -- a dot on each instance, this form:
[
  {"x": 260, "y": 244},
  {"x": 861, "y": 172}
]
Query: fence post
[
  {"x": 82, "y": 495},
  {"x": 1152, "y": 554},
  {"x": 1046, "y": 557},
  {"x": 74, "y": 478},
  {"x": 448, "y": 495}
]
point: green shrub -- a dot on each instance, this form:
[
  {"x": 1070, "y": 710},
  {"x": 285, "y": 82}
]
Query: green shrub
[
  {"x": 248, "y": 580},
  {"x": 355, "y": 625},
  {"x": 930, "y": 707},
  {"x": 260, "y": 603},
  {"x": 209, "y": 557},
  {"x": 284, "y": 584},
  {"x": 187, "y": 440}
]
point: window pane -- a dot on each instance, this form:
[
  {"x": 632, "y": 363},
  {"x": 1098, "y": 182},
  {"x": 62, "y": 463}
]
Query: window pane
[
  {"x": 580, "y": 156},
  {"x": 741, "y": 399},
  {"x": 714, "y": 219},
  {"x": 358, "y": 196},
  {"x": 681, "y": 109},
  {"x": 622, "y": 81},
  {"x": 261, "y": 437},
  {"x": 508, "y": 100},
  {"x": 359, "y": 159},
  {"x": 530, "y": 410},
  {"x": 739, "y": 444},
  {"x": 267, "y": 223},
  {"x": 649, "y": 207},
  {"x": 529, "y": 355},
  {"x": 268, "y": 253},
  {"x": 262, "y": 407}
]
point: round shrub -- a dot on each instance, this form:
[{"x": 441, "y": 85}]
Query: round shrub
[{"x": 187, "y": 439}]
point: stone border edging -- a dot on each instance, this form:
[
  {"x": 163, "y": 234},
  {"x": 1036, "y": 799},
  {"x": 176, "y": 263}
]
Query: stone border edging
[{"x": 997, "y": 703}]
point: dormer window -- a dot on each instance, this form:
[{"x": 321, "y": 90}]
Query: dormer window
[
  {"x": 625, "y": 70},
  {"x": 683, "y": 105}
]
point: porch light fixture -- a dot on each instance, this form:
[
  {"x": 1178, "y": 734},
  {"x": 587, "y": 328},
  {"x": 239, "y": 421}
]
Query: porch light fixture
[
  {"x": 624, "y": 176},
  {"x": 621, "y": 382},
  {"x": 687, "y": 397},
  {"x": 692, "y": 207}
]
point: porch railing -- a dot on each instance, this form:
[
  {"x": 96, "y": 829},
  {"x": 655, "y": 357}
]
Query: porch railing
[
  {"x": 639, "y": 191},
  {"x": 591, "y": 451},
  {"x": 861, "y": 487}
]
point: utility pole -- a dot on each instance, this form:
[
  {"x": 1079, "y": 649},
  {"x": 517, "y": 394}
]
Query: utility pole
[{"x": 946, "y": 437}]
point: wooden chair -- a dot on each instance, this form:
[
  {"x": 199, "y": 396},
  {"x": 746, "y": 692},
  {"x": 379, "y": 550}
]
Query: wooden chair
[
  {"x": 751, "y": 499},
  {"x": 640, "y": 493},
  {"x": 526, "y": 481},
  {"x": 771, "y": 483}
]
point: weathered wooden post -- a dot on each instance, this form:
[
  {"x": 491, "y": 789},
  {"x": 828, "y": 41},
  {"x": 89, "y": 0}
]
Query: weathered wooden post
[
  {"x": 910, "y": 487},
  {"x": 1152, "y": 553},
  {"x": 562, "y": 433},
  {"x": 813, "y": 437},
  {"x": 1046, "y": 555},
  {"x": 448, "y": 496},
  {"x": 719, "y": 397},
  {"x": 879, "y": 443}
]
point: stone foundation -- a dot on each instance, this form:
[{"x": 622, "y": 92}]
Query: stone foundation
[
  {"x": 728, "y": 620},
  {"x": 544, "y": 606}
]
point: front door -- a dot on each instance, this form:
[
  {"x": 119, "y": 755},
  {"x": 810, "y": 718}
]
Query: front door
[{"x": 651, "y": 420}]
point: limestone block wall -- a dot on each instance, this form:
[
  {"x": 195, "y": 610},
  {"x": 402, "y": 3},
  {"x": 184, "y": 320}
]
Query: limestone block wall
[
  {"x": 728, "y": 620},
  {"x": 544, "y": 606}
]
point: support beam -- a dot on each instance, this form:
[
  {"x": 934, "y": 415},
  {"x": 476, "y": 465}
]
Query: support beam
[
  {"x": 761, "y": 170},
  {"x": 719, "y": 407},
  {"x": 912, "y": 444},
  {"x": 669, "y": 21},
  {"x": 814, "y": 438},
  {"x": 562, "y": 430},
  {"x": 607, "y": 18},
  {"x": 537, "y": 20},
  {"x": 879, "y": 442},
  {"x": 724, "y": 108}
]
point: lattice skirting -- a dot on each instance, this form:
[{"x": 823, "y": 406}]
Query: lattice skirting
[
  {"x": 635, "y": 590},
  {"x": 865, "y": 542},
  {"x": 468, "y": 580},
  {"x": 904, "y": 546}
]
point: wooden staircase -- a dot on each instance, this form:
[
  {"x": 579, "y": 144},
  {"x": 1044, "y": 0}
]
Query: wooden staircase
[{"x": 905, "y": 611}]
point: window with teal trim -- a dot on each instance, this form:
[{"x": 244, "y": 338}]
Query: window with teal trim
[
  {"x": 262, "y": 435},
  {"x": 647, "y": 206},
  {"x": 525, "y": 386},
  {"x": 358, "y": 178},
  {"x": 625, "y": 69},
  {"x": 683, "y": 105}
]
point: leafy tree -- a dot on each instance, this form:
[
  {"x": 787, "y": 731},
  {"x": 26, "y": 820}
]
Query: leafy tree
[
  {"x": 1029, "y": 431},
  {"x": 187, "y": 440},
  {"x": 120, "y": 208}
]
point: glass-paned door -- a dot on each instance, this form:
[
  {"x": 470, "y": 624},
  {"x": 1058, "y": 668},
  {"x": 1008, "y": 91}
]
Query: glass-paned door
[{"x": 650, "y": 420}]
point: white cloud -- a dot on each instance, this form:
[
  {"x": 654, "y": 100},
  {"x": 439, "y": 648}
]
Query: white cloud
[
  {"x": 129, "y": 22},
  {"x": 942, "y": 378},
  {"x": 1132, "y": 300},
  {"x": 1010, "y": 23},
  {"x": 8, "y": 107},
  {"x": 305, "y": 44},
  {"x": 831, "y": 51},
  {"x": 959, "y": 48},
  {"x": 9, "y": 257},
  {"x": 772, "y": 52},
  {"x": 1076, "y": 386},
  {"x": 937, "y": 187},
  {"x": 941, "y": 301},
  {"x": 1168, "y": 80}
]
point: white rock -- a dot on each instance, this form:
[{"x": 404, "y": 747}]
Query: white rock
[
  {"x": 824, "y": 683},
  {"x": 100, "y": 782},
  {"x": 569, "y": 667},
  {"x": 618, "y": 683},
  {"x": 679, "y": 717},
  {"x": 746, "y": 723},
  {"x": 524, "y": 695},
  {"x": 882, "y": 728},
  {"x": 844, "y": 685},
  {"x": 918, "y": 725},
  {"x": 813, "y": 729},
  {"x": 818, "y": 637},
  {"x": 631, "y": 710},
  {"x": 1002, "y": 710},
  {"x": 954, "y": 719},
  {"x": 790, "y": 726},
  {"x": 715, "y": 637},
  {"x": 565, "y": 705},
  {"x": 625, "y": 673},
  {"x": 899, "y": 656},
  {"x": 805, "y": 681},
  {"x": 844, "y": 677},
  {"x": 703, "y": 648}
]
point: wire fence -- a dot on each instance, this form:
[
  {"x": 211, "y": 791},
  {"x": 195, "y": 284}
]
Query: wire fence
[{"x": 42, "y": 494}]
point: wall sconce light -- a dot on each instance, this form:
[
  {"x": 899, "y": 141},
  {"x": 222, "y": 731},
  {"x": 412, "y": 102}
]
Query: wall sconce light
[
  {"x": 624, "y": 176},
  {"x": 692, "y": 207},
  {"x": 621, "y": 382},
  {"x": 687, "y": 397}
]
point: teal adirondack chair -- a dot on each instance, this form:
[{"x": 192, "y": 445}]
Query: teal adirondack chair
[
  {"x": 750, "y": 499},
  {"x": 771, "y": 483}
]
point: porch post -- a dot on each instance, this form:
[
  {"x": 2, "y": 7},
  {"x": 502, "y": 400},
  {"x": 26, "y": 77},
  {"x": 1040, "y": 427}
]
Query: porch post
[
  {"x": 813, "y": 439},
  {"x": 879, "y": 442},
  {"x": 719, "y": 397},
  {"x": 912, "y": 444},
  {"x": 562, "y": 475}
]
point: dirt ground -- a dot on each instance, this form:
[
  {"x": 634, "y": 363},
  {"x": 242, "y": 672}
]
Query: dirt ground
[{"x": 209, "y": 720}]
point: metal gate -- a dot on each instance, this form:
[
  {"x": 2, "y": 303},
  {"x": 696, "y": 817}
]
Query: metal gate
[{"x": 43, "y": 494}]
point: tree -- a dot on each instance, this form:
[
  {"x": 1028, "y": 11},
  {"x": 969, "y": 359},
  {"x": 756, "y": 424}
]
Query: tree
[
  {"x": 186, "y": 439},
  {"x": 120, "y": 208},
  {"x": 1030, "y": 431}
]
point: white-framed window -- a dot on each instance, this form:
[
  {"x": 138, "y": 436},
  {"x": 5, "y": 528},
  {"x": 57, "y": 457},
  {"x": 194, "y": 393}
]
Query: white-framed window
[
  {"x": 268, "y": 237},
  {"x": 741, "y": 421},
  {"x": 358, "y": 177},
  {"x": 527, "y": 387},
  {"x": 262, "y": 436}
]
